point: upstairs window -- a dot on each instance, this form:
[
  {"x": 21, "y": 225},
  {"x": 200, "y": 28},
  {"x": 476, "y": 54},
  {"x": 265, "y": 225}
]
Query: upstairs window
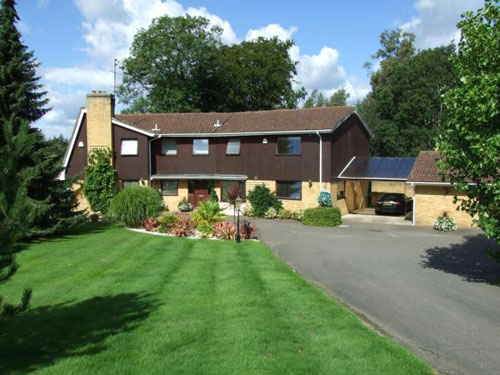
[
  {"x": 233, "y": 147},
  {"x": 169, "y": 146},
  {"x": 288, "y": 146},
  {"x": 129, "y": 147},
  {"x": 200, "y": 146}
]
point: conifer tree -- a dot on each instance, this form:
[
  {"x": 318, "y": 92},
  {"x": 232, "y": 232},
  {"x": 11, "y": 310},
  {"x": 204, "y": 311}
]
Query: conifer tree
[{"x": 22, "y": 97}]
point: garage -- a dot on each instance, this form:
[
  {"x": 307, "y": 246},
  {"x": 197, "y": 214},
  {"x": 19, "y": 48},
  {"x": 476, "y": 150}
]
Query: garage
[{"x": 366, "y": 180}]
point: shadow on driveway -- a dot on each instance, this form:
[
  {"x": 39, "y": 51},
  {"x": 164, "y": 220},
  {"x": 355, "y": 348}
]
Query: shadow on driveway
[{"x": 467, "y": 259}]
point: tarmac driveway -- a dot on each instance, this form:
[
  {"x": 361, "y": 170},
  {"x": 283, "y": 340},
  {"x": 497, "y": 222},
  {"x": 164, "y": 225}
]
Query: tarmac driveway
[{"x": 431, "y": 291}]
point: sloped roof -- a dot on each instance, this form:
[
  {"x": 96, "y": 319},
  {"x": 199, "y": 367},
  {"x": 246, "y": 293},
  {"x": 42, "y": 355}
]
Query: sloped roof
[
  {"x": 307, "y": 119},
  {"x": 425, "y": 168},
  {"x": 378, "y": 168}
]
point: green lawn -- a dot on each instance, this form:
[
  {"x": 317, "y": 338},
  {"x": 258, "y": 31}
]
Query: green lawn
[{"x": 110, "y": 301}]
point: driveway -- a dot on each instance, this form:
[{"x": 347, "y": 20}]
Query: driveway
[{"x": 430, "y": 291}]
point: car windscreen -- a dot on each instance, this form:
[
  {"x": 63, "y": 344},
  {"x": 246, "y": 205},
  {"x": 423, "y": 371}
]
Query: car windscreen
[{"x": 391, "y": 197}]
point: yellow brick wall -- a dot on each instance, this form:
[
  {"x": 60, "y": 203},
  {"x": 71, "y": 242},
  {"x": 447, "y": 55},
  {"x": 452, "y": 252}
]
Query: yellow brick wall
[
  {"x": 172, "y": 202},
  {"x": 83, "y": 204},
  {"x": 309, "y": 197},
  {"x": 431, "y": 201},
  {"x": 99, "y": 113},
  {"x": 392, "y": 187},
  {"x": 355, "y": 194}
]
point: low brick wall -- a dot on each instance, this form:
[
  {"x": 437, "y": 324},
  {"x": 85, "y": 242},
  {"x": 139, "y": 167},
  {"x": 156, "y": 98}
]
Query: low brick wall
[{"x": 432, "y": 201}]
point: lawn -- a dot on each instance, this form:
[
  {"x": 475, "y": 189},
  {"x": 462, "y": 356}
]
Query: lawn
[{"x": 110, "y": 301}]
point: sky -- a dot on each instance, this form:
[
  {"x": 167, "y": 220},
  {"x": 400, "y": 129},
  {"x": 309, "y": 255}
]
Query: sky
[{"x": 76, "y": 41}]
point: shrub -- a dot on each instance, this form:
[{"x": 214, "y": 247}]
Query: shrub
[
  {"x": 225, "y": 230},
  {"x": 206, "y": 230},
  {"x": 94, "y": 218},
  {"x": 248, "y": 211},
  {"x": 150, "y": 224},
  {"x": 184, "y": 205},
  {"x": 248, "y": 231},
  {"x": 166, "y": 222},
  {"x": 298, "y": 215},
  {"x": 285, "y": 214},
  {"x": 325, "y": 199},
  {"x": 183, "y": 227},
  {"x": 322, "y": 217},
  {"x": 209, "y": 213},
  {"x": 271, "y": 213},
  {"x": 445, "y": 223},
  {"x": 262, "y": 200},
  {"x": 134, "y": 204},
  {"x": 213, "y": 196},
  {"x": 100, "y": 180}
]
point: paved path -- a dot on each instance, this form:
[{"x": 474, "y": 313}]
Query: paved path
[{"x": 428, "y": 290}]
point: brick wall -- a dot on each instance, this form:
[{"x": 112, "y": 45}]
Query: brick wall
[{"x": 431, "y": 201}]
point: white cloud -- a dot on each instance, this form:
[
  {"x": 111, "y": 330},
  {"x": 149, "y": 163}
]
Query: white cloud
[
  {"x": 43, "y": 3},
  {"x": 97, "y": 78},
  {"x": 435, "y": 22},
  {"x": 270, "y": 31}
]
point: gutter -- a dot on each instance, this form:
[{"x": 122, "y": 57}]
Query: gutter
[
  {"x": 243, "y": 134},
  {"x": 320, "y": 161}
]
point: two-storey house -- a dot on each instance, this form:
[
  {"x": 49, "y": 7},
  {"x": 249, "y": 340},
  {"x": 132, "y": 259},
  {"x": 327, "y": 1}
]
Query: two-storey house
[{"x": 296, "y": 153}]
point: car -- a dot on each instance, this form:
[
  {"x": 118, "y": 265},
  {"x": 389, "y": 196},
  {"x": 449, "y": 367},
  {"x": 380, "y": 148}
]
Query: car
[{"x": 393, "y": 204}]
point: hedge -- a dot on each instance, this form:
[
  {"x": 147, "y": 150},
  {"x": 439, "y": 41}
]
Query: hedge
[
  {"x": 135, "y": 204},
  {"x": 322, "y": 217}
]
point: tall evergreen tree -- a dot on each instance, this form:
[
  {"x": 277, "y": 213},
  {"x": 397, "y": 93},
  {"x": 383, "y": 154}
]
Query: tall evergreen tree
[
  {"x": 21, "y": 93},
  {"x": 17, "y": 211},
  {"x": 22, "y": 98}
]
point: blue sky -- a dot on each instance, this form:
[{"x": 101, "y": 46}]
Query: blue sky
[{"x": 76, "y": 40}]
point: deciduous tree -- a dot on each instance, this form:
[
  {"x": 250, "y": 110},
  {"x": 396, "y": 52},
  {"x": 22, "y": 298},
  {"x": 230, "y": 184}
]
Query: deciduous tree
[{"x": 470, "y": 139}]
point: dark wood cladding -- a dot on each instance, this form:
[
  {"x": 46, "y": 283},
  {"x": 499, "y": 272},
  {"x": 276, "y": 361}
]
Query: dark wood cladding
[
  {"x": 130, "y": 167},
  {"x": 78, "y": 158},
  {"x": 350, "y": 139},
  {"x": 256, "y": 160}
]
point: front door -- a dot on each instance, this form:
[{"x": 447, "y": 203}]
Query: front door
[{"x": 198, "y": 192}]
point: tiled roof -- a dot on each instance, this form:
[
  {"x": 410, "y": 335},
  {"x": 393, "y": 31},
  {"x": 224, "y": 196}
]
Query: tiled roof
[
  {"x": 323, "y": 118},
  {"x": 425, "y": 168}
]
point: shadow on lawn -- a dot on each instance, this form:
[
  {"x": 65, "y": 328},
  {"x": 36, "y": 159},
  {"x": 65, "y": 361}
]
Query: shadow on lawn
[
  {"x": 44, "y": 335},
  {"x": 467, "y": 259}
]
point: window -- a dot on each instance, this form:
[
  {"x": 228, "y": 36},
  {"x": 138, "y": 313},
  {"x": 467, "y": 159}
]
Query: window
[
  {"x": 129, "y": 183},
  {"x": 289, "y": 190},
  {"x": 288, "y": 146},
  {"x": 228, "y": 184},
  {"x": 169, "y": 146},
  {"x": 169, "y": 187},
  {"x": 200, "y": 146},
  {"x": 129, "y": 147},
  {"x": 233, "y": 147}
]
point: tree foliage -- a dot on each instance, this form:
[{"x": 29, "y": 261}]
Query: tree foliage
[
  {"x": 470, "y": 140},
  {"x": 100, "y": 180},
  {"x": 404, "y": 108},
  {"x": 317, "y": 99},
  {"x": 17, "y": 210},
  {"x": 179, "y": 64}
]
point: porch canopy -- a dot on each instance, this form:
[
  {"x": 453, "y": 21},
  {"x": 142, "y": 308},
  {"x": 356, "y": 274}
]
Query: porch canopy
[
  {"x": 195, "y": 176},
  {"x": 377, "y": 169}
]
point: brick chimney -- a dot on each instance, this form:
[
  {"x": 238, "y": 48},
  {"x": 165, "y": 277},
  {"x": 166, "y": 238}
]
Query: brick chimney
[{"x": 100, "y": 110}]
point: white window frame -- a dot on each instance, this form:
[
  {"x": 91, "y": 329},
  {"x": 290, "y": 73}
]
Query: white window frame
[
  {"x": 201, "y": 152},
  {"x": 164, "y": 143},
  {"x": 129, "y": 147},
  {"x": 233, "y": 142}
]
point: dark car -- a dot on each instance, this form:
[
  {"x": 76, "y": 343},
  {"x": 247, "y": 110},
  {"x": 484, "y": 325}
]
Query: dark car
[{"x": 393, "y": 204}]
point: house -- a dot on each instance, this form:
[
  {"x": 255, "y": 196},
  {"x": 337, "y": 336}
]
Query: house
[
  {"x": 433, "y": 195},
  {"x": 296, "y": 152}
]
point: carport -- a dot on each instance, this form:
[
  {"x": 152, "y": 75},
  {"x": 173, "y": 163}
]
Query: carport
[{"x": 366, "y": 179}]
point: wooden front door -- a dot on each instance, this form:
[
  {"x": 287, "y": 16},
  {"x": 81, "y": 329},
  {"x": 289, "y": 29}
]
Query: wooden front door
[{"x": 198, "y": 192}]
